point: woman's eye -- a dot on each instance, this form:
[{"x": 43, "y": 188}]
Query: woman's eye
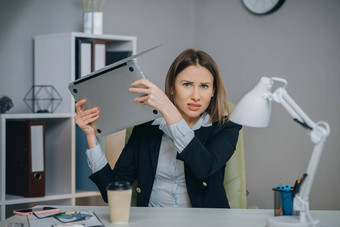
[
  {"x": 204, "y": 86},
  {"x": 186, "y": 84}
]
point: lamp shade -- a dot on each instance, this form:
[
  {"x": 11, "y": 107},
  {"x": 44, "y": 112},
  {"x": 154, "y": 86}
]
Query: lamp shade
[{"x": 254, "y": 108}]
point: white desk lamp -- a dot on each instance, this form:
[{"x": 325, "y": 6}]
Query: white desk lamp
[{"x": 254, "y": 110}]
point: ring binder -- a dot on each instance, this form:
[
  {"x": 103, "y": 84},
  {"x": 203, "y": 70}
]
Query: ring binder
[{"x": 25, "y": 158}]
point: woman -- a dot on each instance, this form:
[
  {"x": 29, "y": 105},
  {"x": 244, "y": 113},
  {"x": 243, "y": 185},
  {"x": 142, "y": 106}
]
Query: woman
[{"x": 179, "y": 159}]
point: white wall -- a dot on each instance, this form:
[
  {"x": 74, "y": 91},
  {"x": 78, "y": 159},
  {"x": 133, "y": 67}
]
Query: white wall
[{"x": 300, "y": 42}]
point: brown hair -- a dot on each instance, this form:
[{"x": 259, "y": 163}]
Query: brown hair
[{"x": 219, "y": 103}]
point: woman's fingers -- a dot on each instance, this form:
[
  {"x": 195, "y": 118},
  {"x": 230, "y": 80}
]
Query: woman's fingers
[
  {"x": 86, "y": 120},
  {"x": 80, "y": 110},
  {"x": 152, "y": 95},
  {"x": 144, "y": 82},
  {"x": 84, "y": 117},
  {"x": 87, "y": 114},
  {"x": 139, "y": 90},
  {"x": 90, "y": 111},
  {"x": 142, "y": 98},
  {"x": 79, "y": 105},
  {"x": 142, "y": 86}
]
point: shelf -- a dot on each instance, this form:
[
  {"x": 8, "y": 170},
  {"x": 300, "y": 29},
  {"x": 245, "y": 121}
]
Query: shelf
[
  {"x": 108, "y": 37},
  {"x": 36, "y": 115},
  {"x": 12, "y": 199},
  {"x": 81, "y": 194},
  {"x": 59, "y": 153}
]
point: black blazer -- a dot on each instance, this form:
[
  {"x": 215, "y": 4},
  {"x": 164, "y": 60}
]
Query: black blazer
[{"x": 204, "y": 163}]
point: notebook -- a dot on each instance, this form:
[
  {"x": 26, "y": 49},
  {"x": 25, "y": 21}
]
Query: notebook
[{"x": 107, "y": 89}]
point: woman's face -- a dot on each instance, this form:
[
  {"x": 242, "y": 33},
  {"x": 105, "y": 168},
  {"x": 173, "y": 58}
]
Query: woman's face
[{"x": 192, "y": 92}]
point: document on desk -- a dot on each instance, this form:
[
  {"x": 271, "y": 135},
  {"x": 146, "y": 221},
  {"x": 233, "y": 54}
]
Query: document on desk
[{"x": 91, "y": 221}]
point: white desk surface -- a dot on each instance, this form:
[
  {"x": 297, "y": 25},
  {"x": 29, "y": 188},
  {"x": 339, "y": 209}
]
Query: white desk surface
[{"x": 144, "y": 216}]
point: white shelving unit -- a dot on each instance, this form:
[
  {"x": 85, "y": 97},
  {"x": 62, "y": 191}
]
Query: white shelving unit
[
  {"x": 55, "y": 64},
  {"x": 55, "y": 60}
]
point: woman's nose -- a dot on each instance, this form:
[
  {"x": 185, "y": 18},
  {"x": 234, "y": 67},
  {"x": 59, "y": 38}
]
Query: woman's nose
[{"x": 195, "y": 95}]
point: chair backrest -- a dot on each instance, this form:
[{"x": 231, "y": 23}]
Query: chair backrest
[
  {"x": 235, "y": 175},
  {"x": 234, "y": 178}
]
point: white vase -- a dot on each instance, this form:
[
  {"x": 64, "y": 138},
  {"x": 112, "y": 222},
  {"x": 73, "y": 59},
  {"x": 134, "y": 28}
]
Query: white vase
[{"x": 93, "y": 22}]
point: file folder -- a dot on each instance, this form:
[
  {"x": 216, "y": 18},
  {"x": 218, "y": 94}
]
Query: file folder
[
  {"x": 84, "y": 57},
  {"x": 25, "y": 158},
  {"x": 98, "y": 54}
]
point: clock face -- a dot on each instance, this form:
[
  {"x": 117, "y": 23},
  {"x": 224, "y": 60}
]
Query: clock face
[{"x": 262, "y": 7}]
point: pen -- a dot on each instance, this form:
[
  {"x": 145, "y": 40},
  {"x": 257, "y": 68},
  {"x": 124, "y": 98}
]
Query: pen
[
  {"x": 280, "y": 184},
  {"x": 278, "y": 212},
  {"x": 295, "y": 185},
  {"x": 303, "y": 178},
  {"x": 297, "y": 189}
]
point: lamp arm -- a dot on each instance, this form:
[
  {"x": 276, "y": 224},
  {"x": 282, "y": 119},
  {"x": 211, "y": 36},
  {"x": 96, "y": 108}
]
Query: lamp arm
[
  {"x": 280, "y": 95},
  {"x": 319, "y": 130},
  {"x": 301, "y": 200},
  {"x": 318, "y": 134},
  {"x": 311, "y": 170}
]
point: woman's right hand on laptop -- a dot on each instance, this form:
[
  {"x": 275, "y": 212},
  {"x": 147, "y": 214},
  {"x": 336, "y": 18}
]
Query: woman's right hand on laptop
[{"x": 84, "y": 118}]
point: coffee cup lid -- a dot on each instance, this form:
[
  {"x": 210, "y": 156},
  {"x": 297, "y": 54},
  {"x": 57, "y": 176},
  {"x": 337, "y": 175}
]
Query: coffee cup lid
[{"x": 119, "y": 185}]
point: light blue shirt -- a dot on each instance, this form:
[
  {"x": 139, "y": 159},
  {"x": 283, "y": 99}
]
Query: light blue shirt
[{"x": 169, "y": 188}]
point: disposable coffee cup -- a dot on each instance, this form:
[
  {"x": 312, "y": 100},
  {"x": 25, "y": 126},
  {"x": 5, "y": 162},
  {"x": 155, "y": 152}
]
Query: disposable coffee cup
[{"x": 119, "y": 198}]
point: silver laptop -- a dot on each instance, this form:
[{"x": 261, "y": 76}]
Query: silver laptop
[{"x": 107, "y": 89}]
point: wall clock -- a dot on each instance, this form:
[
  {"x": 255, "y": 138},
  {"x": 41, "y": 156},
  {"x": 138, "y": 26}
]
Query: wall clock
[{"x": 262, "y": 7}]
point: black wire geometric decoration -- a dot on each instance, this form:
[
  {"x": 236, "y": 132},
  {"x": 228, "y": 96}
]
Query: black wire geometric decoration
[{"x": 42, "y": 99}]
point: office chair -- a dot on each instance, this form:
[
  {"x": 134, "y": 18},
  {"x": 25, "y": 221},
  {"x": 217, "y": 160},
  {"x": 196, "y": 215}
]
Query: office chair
[{"x": 235, "y": 175}]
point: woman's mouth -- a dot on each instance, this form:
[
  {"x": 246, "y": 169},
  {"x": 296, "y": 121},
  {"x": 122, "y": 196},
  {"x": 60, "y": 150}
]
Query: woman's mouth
[{"x": 194, "y": 106}]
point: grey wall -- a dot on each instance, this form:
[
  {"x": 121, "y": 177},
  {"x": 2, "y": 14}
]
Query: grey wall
[
  {"x": 300, "y": 42},
  {"x": 152, "y": 21}
]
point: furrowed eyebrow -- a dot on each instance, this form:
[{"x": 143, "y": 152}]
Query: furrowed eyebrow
[{"x": 187, "y": 81}]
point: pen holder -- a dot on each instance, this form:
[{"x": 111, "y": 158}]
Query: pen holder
[{"x": 283, "y": 201}]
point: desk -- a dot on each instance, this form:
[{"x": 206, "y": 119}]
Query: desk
[{"x": 145, "y": 216}]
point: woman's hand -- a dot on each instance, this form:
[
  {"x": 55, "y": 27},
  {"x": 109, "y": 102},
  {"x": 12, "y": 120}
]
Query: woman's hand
[
  {"x": 153, "y": 96},
  {"x": 84, "y": 118}
]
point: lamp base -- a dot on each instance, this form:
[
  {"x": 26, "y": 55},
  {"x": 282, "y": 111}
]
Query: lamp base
[{"x": 284, "y": 221}]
